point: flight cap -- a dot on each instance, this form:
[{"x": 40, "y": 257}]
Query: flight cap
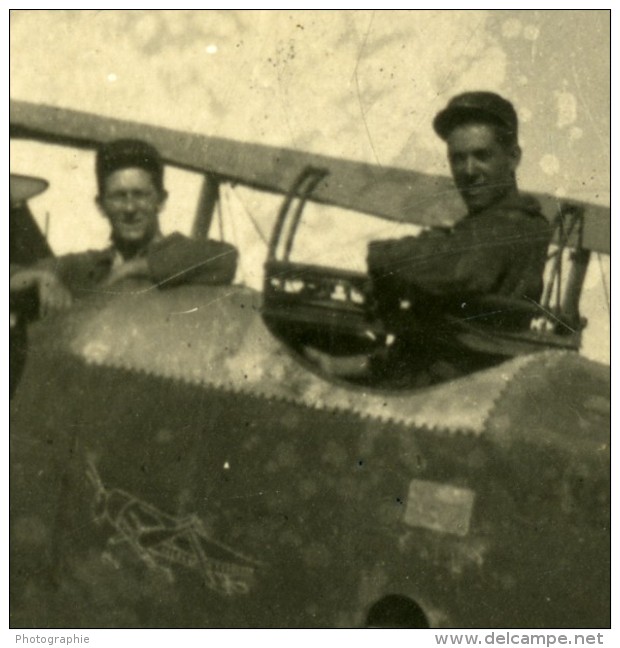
[
  {"x": 472, "y": 106},
  {"x": 129, "y": 153}
]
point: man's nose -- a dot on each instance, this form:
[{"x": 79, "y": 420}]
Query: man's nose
[
  {"x": 129, "y": 205},
  {"x": 471, "y": 166}
]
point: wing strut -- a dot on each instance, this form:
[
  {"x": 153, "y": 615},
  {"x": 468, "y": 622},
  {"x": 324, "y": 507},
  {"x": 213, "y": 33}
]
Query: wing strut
[
  {"x": 580, "y": 258},
  {"x": 209, "y": 196}
]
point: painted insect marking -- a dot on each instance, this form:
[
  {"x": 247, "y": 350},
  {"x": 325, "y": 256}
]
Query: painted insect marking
[{"x": 161, "y": 540}]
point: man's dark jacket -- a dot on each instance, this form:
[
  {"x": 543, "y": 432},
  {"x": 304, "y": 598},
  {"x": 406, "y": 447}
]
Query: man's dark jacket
[
  {"x": 172, "y": 260},
  {"x": 500, "y": 250}
]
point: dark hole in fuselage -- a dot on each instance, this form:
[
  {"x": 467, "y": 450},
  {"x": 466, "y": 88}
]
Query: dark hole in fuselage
[{"x": 396, "y": 611}]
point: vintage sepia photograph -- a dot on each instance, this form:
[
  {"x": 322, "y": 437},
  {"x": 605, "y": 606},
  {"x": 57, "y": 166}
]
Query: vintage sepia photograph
[{"x": 310, "y": 320}]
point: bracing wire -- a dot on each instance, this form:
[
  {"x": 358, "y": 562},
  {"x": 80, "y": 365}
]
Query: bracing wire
[{"x": 252, "y": 220}]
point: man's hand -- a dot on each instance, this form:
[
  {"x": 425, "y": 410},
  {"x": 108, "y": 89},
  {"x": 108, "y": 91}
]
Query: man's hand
[{"x": 53, "y": 294}]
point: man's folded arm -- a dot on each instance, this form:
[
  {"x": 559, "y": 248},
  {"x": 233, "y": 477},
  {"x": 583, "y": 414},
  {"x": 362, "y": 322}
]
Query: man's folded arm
[
  {"x": 441, "y": 264},
  {"x": 179, "y": 259},
  {"x": 437, "y": 264}
]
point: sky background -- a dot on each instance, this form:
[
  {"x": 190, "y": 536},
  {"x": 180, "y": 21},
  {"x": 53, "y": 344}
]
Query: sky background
[{"x": 361, "y": 84}]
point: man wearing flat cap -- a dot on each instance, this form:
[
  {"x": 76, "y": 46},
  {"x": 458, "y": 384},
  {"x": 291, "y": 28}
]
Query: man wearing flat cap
[
  {"x": 130, "y": 178},
  {"x": 499, "y": 248}
]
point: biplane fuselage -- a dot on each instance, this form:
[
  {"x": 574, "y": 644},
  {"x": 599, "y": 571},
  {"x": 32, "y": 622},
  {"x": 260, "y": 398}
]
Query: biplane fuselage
[{"x": 176, "y": 464}]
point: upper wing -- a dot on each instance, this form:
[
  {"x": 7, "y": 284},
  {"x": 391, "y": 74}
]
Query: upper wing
[
  {"x": 388, "y": 192},
  {"x": 596, "y": 233}
]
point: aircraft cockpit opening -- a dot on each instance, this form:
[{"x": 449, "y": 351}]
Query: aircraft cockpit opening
[{"x": 333, "y": 319}]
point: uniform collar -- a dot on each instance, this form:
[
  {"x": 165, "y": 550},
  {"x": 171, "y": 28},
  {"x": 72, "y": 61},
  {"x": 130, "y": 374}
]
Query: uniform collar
[
  {"x": 512, "y": 200},
  {"x": 115, "y": 253}
]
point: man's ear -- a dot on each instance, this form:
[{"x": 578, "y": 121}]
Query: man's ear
[{"x": 515, "y": 156}]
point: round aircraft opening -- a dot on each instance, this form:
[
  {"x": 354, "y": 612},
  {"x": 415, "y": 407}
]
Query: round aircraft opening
[{"x": 396, "y": 611}]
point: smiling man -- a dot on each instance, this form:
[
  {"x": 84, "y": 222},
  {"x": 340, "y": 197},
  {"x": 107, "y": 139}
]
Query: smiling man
[
  {"x": 130, "y": 178},
  {"x": 498, "y": 248}
]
